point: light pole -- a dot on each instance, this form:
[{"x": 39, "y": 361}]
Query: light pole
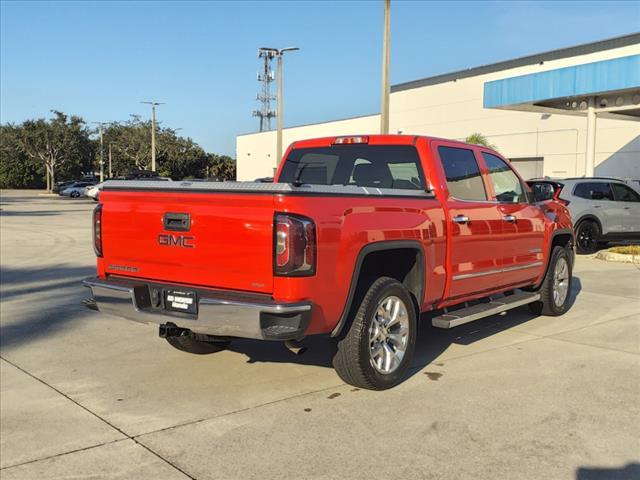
[
  {"x": 110, "y": 171},
  {"x": 100, "y": 125},
  {"x": 386, "y": 40},
  {"x": 278, "y": 53},
  {"x": 153, "y": 132}
]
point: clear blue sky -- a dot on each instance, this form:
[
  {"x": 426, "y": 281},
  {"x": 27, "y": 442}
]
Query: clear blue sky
[{"x": 99, "y": 59}]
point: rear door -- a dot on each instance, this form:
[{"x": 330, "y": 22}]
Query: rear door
[
  {"x": 475, "y": 224},
  {"x": 522, "y": 222},
  {"x": 218, "y": 240},
  {"x": 630, "y": 201},
  {"x": 599, "y": 202}
]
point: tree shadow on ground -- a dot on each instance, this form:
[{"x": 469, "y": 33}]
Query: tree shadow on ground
[
  {"x": 430, "y": 344},
  {"x": 56, "y": 296}
]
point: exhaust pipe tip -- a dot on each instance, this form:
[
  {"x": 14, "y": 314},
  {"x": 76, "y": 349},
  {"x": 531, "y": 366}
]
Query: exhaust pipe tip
[
  {"x": 295, "y": 347},
  {"x": 91, "y": 304}
]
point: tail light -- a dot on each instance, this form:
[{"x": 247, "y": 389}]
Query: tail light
[
  {"x": 295, "y": 246},
  {"x": 97, "y": 230},
  {"x": 556, "y": 196}
]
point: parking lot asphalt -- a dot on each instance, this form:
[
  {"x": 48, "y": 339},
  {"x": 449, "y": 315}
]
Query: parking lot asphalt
[{"x": 84, "y": 395}]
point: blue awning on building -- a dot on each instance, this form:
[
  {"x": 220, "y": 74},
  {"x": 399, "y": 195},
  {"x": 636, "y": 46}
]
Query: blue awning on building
[{"x": 591, "y": 79}]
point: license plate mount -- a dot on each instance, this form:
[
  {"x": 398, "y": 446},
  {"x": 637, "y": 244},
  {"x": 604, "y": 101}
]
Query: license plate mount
[{"x": 183, "y": 301}]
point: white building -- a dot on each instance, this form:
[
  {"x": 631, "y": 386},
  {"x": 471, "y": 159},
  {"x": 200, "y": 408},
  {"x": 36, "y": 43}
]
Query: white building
[{"x": 568, "y": 112}]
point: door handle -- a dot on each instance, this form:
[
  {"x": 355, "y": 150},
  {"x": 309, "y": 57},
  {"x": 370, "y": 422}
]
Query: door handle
[
  {"x": 509, "y": 218},
  {"x": 596, "y": 206},
  {"x": 627, "y": 208},
  {"x": 461, "y": 219}
]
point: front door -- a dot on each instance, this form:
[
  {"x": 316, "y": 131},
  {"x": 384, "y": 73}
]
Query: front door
[
  {"x": 522, "y": 223},
  {"x": 476, "y": 245}
]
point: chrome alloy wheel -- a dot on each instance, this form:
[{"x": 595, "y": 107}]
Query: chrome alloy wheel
[
  {"x": 388, "y": 335},
  {"x": 560, "y": 282}
]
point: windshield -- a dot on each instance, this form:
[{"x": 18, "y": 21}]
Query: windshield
[{"x": 381, "y": 166}]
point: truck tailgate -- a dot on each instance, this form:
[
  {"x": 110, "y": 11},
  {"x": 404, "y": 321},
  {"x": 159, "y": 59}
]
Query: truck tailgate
[{"x": 227, "y": 243}]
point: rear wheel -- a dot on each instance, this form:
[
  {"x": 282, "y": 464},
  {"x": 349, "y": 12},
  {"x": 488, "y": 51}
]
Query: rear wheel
[
  {"x": 587, "y": 236},
  {"x": 376, "y": 351},
  {"x": 198, "y": 344},
  {"x": 555, "y": 290}
]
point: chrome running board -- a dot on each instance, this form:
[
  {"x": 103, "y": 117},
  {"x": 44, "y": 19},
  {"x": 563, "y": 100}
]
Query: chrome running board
[{"x": 481, "y": 310}]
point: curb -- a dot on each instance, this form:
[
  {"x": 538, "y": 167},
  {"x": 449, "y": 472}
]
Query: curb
[{"x": 618, "y": 257}]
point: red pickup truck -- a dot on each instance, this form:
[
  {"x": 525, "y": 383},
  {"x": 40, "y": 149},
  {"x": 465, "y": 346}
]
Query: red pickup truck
[{"x": 356, "y": 237}]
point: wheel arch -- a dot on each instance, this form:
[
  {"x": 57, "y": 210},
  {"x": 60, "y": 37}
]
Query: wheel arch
[
  {"x": 591, "y": 217},
  {"x": 407, "y": 266},
  {"x": 562, "y": 237}
]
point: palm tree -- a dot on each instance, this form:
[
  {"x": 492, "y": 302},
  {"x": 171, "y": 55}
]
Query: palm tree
[{"x": 479, "y": 139}]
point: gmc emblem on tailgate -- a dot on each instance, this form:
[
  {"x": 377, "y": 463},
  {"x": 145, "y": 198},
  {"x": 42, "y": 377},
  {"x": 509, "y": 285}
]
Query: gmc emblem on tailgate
[{"x": 169, "y": 240}]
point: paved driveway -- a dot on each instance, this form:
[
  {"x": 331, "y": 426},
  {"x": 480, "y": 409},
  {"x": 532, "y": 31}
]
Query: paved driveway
[{"x": 512, "y": 396}]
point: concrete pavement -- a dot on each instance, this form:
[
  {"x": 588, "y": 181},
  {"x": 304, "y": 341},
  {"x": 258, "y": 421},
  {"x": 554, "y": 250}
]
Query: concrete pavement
[{"x": 513, "y": 396}]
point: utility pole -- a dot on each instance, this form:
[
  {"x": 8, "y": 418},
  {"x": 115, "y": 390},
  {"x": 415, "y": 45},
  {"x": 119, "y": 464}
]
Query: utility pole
[
  {"x": 153, "y": 132},
  {"x": 386, "y": 41},
  {"x": 279, "y": 115},
  {"x": 100, "y": 130},
  {"x": 110, "y": 172}
]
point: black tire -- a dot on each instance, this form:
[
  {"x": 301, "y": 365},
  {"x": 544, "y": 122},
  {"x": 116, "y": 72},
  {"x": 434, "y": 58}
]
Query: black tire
[
  {"x": 75, "y": 194},
  {"x": 353, "y": 361},
  {"x": 198, "y": 344},
  {"x": 587, "y": 237},
  {"x": 547, "y": 305}
]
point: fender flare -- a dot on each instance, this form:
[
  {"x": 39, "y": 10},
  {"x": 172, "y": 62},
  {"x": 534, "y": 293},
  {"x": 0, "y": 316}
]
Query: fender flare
[
  {"x": 560, "y": 231},
  {"x": 378, "y": 247}
]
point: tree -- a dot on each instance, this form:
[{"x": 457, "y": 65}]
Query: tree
[
  {"x": 479, "y": 139},
  {"x": 17, "y": 170},
  {"x": 221, "y": 167},
  {"x": 61, "y": 143},
  {"x": 179, "y": 157}
]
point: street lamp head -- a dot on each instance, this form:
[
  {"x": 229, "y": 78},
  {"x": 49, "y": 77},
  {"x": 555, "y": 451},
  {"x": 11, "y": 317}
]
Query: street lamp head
[{"x": 288, "y": 49}]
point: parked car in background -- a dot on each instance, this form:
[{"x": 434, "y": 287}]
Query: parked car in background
[
  {"x": 59, "y": 186},
  {"x": 76, "y": 190},
  {"x": 93, "y": 191},
  {"x": 355, "y": 238},
  {"x": 603, "y": 209}
]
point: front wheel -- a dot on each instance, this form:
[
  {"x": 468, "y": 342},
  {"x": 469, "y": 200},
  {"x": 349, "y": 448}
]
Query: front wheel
[
  {"x": 376, "y": 351},
  {"x": 75, "y": 194},
  {"x": 198, "y": 344},
  {"x": 555, "y": 290}
]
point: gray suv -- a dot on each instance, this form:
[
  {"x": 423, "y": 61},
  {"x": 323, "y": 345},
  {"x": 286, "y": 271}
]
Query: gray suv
[{"x": 602, "y": 209}]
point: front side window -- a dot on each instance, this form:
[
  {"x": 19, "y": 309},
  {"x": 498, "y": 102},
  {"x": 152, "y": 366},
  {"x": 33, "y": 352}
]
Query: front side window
[
  {"x": 594, "y": 191},
  {"x": 622, "y": 193},
  {"x": 379, "y": 166},
  {"x": 506, "y": 184},
  {"x": 463, "y": 174}
]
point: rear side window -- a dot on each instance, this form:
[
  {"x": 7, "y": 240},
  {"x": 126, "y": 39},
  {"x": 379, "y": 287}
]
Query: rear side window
[
  {"x": 594, "y": 191},
  {"x": 506, "y": 184},
  {"x": 463, "y": 174},
  {"x": 380, "y": 166},
  {"x": 622, "y": 193}
]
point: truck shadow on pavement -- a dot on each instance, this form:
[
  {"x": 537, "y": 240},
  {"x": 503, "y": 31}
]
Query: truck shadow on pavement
[
  {"x": 431, "y": 341},
  {"x": 629, "y": 472}
]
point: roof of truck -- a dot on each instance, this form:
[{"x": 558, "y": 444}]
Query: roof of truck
[{"x": 378, "y": 139}]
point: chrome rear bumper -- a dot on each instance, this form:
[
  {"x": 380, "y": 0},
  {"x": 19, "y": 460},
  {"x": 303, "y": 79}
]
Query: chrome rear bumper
[{"x": 219, "y": 313}]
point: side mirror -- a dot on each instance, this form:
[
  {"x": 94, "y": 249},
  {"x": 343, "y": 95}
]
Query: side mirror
[{"x": 542, "y": 192}]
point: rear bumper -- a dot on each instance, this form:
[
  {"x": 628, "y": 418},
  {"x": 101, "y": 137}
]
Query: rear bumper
[{"x": 219, "y": 313}]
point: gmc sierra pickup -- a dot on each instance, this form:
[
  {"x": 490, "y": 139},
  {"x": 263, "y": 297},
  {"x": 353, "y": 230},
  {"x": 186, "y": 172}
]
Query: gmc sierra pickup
[{"x": 355, "y": 238}]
